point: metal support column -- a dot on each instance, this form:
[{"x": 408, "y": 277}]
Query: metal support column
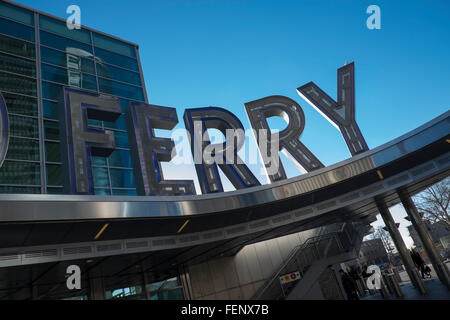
[
  {"x": 401, "y": 247},
  {"x": 96, "y": 285},
  {"x": 145, "y": 286},
  {"x": 421, "y": 229}
]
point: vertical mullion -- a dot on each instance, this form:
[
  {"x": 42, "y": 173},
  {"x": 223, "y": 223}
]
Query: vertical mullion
[{"x": 40, "y": 106}]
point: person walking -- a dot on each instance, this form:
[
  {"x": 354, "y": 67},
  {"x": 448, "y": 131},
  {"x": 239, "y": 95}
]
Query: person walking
[
  {"x": 349, "y": 285},
  {"x": 418, "y": 261}
]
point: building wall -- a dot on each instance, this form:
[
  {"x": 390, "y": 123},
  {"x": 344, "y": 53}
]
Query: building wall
[
  {"x": 239, "y": 276},
  {"x": 38, "y": 56}
]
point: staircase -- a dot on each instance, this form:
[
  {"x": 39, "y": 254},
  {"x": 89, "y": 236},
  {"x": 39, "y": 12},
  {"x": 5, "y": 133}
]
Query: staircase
[{"x": 334, "y": 244}]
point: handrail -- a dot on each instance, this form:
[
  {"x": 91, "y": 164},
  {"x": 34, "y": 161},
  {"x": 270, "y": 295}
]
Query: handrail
[{"x": 297, "y": 250}]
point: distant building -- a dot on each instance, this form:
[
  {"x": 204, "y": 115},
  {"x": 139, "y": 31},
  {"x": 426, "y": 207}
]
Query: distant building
[{"x": 373, "y": 252}]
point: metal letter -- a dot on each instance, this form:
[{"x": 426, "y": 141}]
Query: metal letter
[
  {"x": 340, "y": 114},
  {"x": 148, "y": 151},
  {"x": 4, "y": 130},
  {"x": 198, "y": 121},
  {"x": 258, "y": 111},
  {"x": 78, "y": 141}
]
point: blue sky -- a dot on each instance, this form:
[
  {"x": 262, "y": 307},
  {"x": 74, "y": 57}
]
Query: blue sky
[{"x": 197, "y": 53}]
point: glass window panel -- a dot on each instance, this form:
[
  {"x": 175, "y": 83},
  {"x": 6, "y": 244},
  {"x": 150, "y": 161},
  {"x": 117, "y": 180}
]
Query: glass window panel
[
  {"x": 118, "y": 192},
  {"x": 15, "y": 13},
  {"x": 120, "y": 123},
  {"x": 102, "y": 192},
  {"x": 113, "y": 45},
  {"x": 13, "y": 172},
  {"x": 120, "y": 158},
  {"x": 54, "y": 174},
  {"x": 114, "y": 73},
  {"x": 122, "y": 178},
  {"x": 13, "y": 190},
  {"x": 68, "y": 77},
  {"x": 16, "y": 30},
  {"x": 17, "y": 65},
  {"x": 52, "y": 151},
  {"x": 51, "y": 91},
  {"x": 101, "y": 178},
  {"x": 23, "y": 149},
  {"x": 59, "y": 27},
  {"x": 17, "y": 47},
  {"x": 98, "y": 161},
  {"x": 68, "y": 61},
  {"x": 21, "y": 190},
  {"x": 23, "y": 126},
  {"x": 121, "y": 139},
  {"x": 124, "y": 103},
  {"x": 21, "y": 105},
  {"x": 64, "y": 44},
  {"x": 120, "y": 89},
  {"x": 116, "y": 59},
  {"x": 55, "y": 190},
  {"x": 89, "y": 82},
  {"x": 94, "y": 123},
  {"x": 17, "y": 84},
  {"x": 50, "y": 109},
  {"x": 51, "y": 130}
]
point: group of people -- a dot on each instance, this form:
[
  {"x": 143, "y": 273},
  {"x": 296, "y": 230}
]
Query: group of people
[{"x": 355, "y": 273}]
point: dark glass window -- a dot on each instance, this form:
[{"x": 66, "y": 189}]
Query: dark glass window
[
  {"x": 94, "y": 123},
  {"x": 17, "y": 84},
  {"x": 121, "y": 139},
  {"x": 113, "y": 45},
  {"x": 114, "y": 73},
  {"x": 122, "y": 178},
  {"x": 116, "y": 59},
  {"x": 101, "y": 178},
  {"x": 102, "y": 192},
  {"x": 16, "y": 30},
  {"x": 51, "y": 130},
  {"x": 119, "y": 192},
  {"x": 54, "y": 190},
  {"x": 17, "y": 47},
  {"x": 64, "y": 44},
  {"x": 21, "y": 105},
  {"x": 50, "y": 109},
  {"x": 51, "y": 91},
  {"x": 98, "y": 161},
  {"x": 23, "y": 149},
  {"x": 120, "y": 158},
  {"x": 59, "y": 27},
  {"x": 68, "y": 77},
  {"x": 23, "y": 126},
  {"x": 17, "y": 65},
  {"x": 13, "y": 172},
  {"x": 120, "y": 89},
  {"x": 120, "y": 123},
  {"x": 13, "y": 190},
  {"x": 54, "y": 174},
  {"x": 68, "y": 61},
  {"x": 15, "y": 13},
  {"x": 52, "y": 151}
]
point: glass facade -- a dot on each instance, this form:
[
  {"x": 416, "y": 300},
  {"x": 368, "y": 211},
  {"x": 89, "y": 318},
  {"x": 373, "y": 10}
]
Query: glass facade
[{"x": 38, "y": 56}]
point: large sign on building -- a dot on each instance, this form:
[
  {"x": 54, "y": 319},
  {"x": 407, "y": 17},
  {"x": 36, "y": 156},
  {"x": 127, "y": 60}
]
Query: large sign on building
[{"x": 80, "y": 142}]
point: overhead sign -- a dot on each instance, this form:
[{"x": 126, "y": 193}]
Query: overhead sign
[{"x": 80, "y": 142}]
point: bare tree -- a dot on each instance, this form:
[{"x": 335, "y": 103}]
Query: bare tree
[
  {"x": 385, "y": 238},
  {"x": 433, "y": 202}
]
